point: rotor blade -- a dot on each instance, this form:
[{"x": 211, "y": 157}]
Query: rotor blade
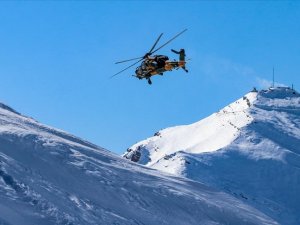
[
  {"x": 126, "y": 68},
  {"x": 157, "y": 40},
  {"x": 127, "y": 60},
  {"x": 169, "y": 40}
]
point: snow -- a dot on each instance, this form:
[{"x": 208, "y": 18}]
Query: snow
[
  {"x": 249, "y": 149},
  {"x": 207, "y": 135},
  {"x": 48, "y": 176}
]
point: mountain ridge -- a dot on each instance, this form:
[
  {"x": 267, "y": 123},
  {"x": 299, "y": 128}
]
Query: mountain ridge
[{"x": 48, "y": 176}]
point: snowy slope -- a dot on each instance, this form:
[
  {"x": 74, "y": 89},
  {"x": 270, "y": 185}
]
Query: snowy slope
[
  {"x": 50, "y": 177},
  {"x": 249, "y": 149}
]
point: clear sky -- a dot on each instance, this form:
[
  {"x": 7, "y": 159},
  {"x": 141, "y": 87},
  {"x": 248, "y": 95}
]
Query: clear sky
[{"x": 56, "y": 57}]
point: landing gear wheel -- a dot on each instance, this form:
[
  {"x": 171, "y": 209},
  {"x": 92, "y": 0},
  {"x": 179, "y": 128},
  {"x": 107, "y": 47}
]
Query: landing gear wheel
[
  {"x": 185, "y": 69},
  {"x": 149, "y": 81}
]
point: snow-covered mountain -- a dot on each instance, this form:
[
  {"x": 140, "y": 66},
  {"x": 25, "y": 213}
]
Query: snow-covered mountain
[
  {"x": 249, "y": 149},
  {"x": 50, "y": 177}
]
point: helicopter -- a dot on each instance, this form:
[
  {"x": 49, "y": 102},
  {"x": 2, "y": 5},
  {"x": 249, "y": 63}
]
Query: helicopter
[{"x": 156, "y": 64}]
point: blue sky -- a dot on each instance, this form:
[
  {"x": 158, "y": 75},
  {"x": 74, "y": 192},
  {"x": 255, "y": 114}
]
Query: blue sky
[{"x": 56, "y": 58}]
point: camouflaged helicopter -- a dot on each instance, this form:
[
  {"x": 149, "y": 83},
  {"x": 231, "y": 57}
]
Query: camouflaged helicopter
[{"x": 156, "y": 64}]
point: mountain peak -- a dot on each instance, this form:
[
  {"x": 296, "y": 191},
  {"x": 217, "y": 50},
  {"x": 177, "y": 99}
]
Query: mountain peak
[
  {"x": 209, "y": 134},
  {"x": 249, "y": 149},
  {"x": 216, "y": 131}
]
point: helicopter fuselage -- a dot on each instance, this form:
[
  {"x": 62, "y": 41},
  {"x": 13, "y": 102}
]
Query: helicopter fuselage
[{"x": 157, "y": 65}]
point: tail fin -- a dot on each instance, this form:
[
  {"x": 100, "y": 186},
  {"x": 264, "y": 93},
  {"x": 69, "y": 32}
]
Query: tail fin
[
  {"x": 181, "y": 62},
  {"x": 181, "y": 54}
]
